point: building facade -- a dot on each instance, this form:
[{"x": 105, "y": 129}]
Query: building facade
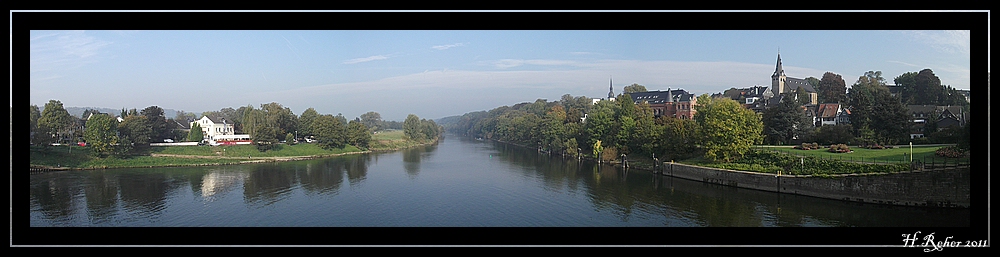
[
  {"x": 676, "y": 103},
  {"x": 214, "y": 127}
]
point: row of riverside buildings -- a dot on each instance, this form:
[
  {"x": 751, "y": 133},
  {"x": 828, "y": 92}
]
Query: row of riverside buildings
[{"x": 681, "y": 104}]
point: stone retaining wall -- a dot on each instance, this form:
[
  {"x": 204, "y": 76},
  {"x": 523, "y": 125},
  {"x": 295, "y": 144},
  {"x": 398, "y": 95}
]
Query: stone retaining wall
[{"x": 938, "y": 188}]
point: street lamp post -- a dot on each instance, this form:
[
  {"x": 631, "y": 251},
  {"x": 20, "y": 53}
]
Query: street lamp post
[{"x": 911, "y": 151}]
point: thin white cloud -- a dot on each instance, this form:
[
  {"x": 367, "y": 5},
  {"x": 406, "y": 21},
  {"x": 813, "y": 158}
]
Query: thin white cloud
[
  {"x": 63, "y": 50},
  {"x": 445, "y": 47},
  {"x": 906, "y": 63},
  {"x": 366, "y": 59},
  {"x": 948, "y": 41},
  {"x": 290, "y": 47}
]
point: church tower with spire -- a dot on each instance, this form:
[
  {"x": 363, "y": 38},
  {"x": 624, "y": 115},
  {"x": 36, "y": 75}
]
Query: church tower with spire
[
  {"x": 778, "y": 78},
  {"x": 611, "y": 90}
]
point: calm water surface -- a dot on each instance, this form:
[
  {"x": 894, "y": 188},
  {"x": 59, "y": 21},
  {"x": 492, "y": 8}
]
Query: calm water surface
[{"x": 459, "y": 182}]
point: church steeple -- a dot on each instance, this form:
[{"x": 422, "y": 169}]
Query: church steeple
[
  {"x": 670, "y": 96},
  {"x": 778, "y": 78},
  {"x": 611, "y": 89},
  {"x": 778, "y": 71}
]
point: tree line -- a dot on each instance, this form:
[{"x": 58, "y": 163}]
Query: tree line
[
  {"x": 722, "y": 130},
  {"x": 877, "y": 117},
  {"x": 266, "y": 125}
]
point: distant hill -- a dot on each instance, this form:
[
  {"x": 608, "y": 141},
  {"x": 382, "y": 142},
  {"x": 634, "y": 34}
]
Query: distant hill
[
  {"x": 450, "y": 120},
  {"x": 78, "y": 111}
]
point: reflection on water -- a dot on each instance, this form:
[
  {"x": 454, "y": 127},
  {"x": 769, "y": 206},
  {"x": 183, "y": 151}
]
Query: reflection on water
[{"x": 458, "y": 182}]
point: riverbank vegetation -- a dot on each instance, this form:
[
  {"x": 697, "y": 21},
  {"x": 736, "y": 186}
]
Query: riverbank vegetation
[
  {"x": 721, "y": 130},
  {"x": 107, "y": 141},
  {"x": 774, "y": 162},
  {"x": 722, "y": 133}
]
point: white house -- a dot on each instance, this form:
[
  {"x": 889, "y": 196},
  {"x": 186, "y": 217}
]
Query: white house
[{"x": 214, "y": 127}]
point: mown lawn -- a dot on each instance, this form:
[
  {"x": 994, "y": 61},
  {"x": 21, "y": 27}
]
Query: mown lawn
[{"x": 900, "y": 154}]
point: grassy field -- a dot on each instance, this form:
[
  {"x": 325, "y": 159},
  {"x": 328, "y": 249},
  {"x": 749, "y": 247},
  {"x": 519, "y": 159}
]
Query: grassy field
[
  {"x": 82, "y": 157},
  {"x": 391, "y": 140},
  {"x": 872, "y": 155}
]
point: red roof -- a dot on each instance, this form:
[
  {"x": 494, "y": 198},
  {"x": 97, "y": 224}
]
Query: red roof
[{"x": 828, "y": 110}]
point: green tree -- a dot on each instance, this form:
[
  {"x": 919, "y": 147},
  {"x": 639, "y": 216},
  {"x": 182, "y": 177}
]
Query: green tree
[
  {"x": 35, "y": 114},
  {"x": 430, "y": 129},
  {"x": 907, "y": 83},
  {"x": 600, "y": 122},
  {"x": 785, "y": 122},
  {"x": 55, "y": 123},
  {"x": 598, "y": 149},
  {"x": 372, "y": 120},
  {"x": 280, "y": 118},
  {"x": 290, "y": 138},
  {"x": 814, "y": 82},
  {"x": 232, "y": 116},
  {"x": 679, "y": 138},
  {"x": 358, "y": 134},
  {"x": 634, "y": 88},
  {"x": 801, "y": 96},
  {"x": 411, "y": 128},
  {"x": 101, "y": 134},
  {"x": 329, "y": 132},
  {"x": 926, "y": 88},
  {"x": 554, "y": 132},
  {"x": 135, "y": 131},
  {"x": 196, "y": 134},
  {"x": 305, "y": 121},
  {"x": 728, "y": 130},
  {"x": 874, "y": 108},
  {"x": 832, "y": 88},
  {"x": 157, "y": 123}
]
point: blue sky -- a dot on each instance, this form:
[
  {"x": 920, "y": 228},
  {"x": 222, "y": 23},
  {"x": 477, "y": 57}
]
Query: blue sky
[{"x": 435, "y": 74}]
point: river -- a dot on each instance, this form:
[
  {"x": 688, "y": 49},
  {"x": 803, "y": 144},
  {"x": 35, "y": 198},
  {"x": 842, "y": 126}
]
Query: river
[{"x": 459, "y": 182}]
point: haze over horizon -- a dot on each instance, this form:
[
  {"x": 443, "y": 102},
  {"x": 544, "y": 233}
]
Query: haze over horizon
[{"x": 440, "y": 73}]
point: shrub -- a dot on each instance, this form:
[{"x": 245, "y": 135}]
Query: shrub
[
  {"x": 952, "y": 152},
  {"x": 840, "y": 148},
  {"x": 609, "y": 154},
  {"x": 807, "y": 146}
]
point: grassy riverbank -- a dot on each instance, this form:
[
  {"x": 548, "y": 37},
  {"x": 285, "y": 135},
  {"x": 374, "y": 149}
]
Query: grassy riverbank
[
  {"x": 77, "y": 157},
  {"x": 391, "y": 140},
  {"x": 899, "y": 154},
  {"x": 816, "y": 162}
]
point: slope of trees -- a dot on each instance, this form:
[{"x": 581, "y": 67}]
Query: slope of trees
[{"x": 610, "y": 129}]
